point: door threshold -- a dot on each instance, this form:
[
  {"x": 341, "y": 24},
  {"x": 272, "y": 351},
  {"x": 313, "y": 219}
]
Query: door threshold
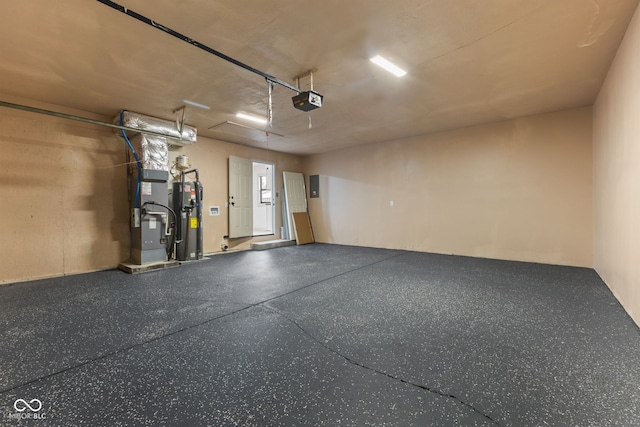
[{"x": 270, "y": 244}]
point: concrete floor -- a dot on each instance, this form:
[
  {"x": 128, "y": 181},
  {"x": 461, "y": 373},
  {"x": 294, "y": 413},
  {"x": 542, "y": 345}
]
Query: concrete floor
[{"x": 321, "y": 335}]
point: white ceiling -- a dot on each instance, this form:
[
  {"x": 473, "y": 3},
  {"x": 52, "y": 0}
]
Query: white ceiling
[{"x": 468, "y": 62}]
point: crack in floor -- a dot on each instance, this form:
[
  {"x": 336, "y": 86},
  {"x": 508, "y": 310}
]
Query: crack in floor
[
  {"x": 81, "y": 363},
  {"x": 377, "y": 371}
]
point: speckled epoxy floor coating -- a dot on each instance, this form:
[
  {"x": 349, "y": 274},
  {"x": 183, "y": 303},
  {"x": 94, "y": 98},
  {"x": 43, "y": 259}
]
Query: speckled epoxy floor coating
[{"x": 321, "y": 335}]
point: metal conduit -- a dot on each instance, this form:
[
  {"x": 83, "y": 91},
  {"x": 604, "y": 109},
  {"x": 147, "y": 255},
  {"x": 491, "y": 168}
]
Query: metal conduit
[
  {"x": 84, "y": 119},
  {"x": 195, "y": 43}
]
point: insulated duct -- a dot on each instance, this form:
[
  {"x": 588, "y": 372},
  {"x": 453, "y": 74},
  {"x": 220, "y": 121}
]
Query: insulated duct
[
  {"x": 169, "y": 128},
  {"x": 152, "y": 150}
]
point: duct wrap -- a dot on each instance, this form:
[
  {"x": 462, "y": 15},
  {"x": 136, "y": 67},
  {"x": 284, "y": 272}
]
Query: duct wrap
[
  {"x": 167, "y": 127},
  {"x": 152, "y": 150}
]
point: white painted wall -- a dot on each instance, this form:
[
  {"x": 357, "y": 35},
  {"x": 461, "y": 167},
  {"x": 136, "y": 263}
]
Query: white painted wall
[
  {"x": 519, "y": 189},
  {"x": 616, "y": 140}
]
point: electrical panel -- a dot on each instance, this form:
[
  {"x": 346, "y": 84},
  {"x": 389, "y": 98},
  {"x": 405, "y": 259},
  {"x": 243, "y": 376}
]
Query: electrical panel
[{"x": 314, "y": 186}]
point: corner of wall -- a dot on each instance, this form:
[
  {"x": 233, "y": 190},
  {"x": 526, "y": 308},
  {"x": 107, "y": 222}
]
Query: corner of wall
[{"x": 616, "y": 173}]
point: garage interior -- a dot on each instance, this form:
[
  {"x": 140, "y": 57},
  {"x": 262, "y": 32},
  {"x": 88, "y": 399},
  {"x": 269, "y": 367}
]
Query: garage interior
[{"x": 475, "y": 220}]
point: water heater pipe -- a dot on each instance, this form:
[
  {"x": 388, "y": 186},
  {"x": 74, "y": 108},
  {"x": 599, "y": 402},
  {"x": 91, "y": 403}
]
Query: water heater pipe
[{"x": 198, "y": 184}]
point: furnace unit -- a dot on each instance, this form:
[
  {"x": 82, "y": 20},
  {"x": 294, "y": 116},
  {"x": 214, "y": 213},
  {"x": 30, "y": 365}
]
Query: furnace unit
[{"x": 151, "y": 220}]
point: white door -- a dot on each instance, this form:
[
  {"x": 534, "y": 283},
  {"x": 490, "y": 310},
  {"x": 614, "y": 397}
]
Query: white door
[
  {"x": 240, "y": 197},
  {"x": 295, "y": 197}
]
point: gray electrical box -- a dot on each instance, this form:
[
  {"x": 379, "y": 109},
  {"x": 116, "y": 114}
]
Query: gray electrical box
[{"x": 314, "y": 186}]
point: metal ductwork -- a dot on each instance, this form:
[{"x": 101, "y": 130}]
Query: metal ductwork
[{"x": 180, "y": 133}]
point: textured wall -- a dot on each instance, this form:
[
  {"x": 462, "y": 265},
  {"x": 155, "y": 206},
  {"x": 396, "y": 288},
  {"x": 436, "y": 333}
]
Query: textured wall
[
  {"x": 63, "y": 187},
  {"x": 617, "y": 174},
  {"x": 519, "y": 189}
]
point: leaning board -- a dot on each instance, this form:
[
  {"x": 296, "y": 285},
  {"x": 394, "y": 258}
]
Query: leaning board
[{"x": 302, "y": 225}]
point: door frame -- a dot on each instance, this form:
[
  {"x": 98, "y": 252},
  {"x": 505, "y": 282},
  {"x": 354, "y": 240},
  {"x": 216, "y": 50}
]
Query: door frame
[{"x": 271, "y": 177}]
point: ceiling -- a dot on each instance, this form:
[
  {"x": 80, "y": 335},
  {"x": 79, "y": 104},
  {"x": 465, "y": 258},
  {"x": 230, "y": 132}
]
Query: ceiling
[{"x": 468, "y": 62}]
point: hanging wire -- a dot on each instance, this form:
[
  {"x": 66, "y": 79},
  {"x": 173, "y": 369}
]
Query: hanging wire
[
  {"x": 311, "y": 82},
  {"x": 117, "y": 165},
  {"x": 135, "y": 156}
]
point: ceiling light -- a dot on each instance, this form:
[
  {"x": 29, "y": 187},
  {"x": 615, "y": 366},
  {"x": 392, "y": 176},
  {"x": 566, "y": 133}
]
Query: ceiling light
[
  {"x": 260, "y": 120},
  {"x": 392, "y": 68},
  {"x": 196, "y": 104}
]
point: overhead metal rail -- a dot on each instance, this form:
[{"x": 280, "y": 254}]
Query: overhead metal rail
[
  {"x": 196, "y": 43},
  {"x": 85, "y": 120}
]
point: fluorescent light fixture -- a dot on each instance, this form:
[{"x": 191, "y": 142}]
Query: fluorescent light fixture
[
  {"x": 260, "y": 120},
  {"x": 196, "y": 104},
  {"x": 392, "y": 68}
]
